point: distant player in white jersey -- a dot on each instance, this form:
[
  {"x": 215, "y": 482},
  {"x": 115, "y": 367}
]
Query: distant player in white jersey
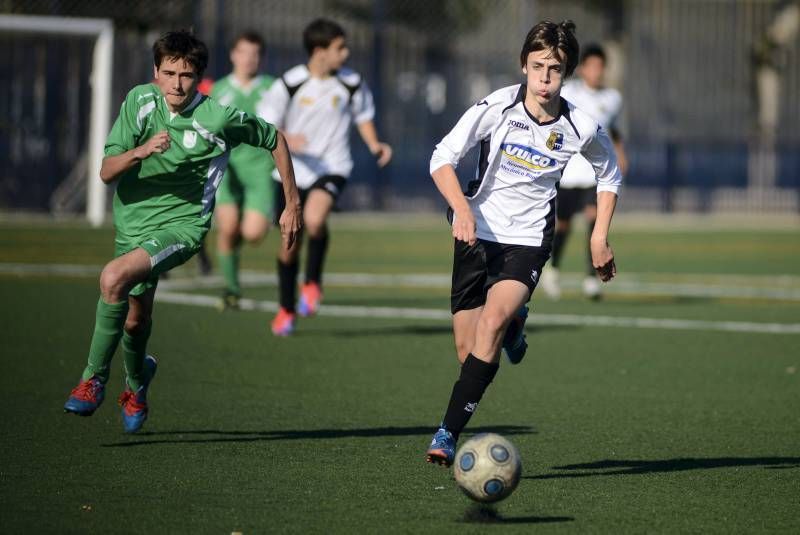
[
  {"x": 314, "y": 105},
  {"x": 503, "y": 226},
  {"x": 577, "y": 188}
]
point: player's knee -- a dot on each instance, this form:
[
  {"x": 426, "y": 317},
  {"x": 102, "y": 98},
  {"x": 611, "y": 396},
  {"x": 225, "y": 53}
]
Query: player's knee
[
  {"x": 112, "y": 283},
  {"x": 463, "y": 348},
  {"x": 253, "y": 235},
  {"x": 315, "y": 228},
  {"x": 136, "y": 324},
  {"x": 492, "y": 321}
]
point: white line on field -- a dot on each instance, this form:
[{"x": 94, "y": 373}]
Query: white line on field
[
  {"x": 781, "y": 287},
  {"x": 535, "y": 319}
]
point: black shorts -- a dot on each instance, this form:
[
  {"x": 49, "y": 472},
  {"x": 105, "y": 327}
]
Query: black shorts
[
  {"x": 570, "y": 201},
  {"x": 332, "y": 184},
  {"x": 477, "y": 268}
]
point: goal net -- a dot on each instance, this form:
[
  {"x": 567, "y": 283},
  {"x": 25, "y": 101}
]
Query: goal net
[{"x": 55, "y": 101}]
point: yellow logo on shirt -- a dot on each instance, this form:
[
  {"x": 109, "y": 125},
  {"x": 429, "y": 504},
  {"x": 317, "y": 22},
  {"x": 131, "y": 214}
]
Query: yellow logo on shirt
[
  {"x": 555, "y": 140},
  {"x": 306, "y": 101},
  {"x": 336, "y": 100}
]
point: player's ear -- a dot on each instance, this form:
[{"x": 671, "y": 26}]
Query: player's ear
[{"x": 155, "y": 72}]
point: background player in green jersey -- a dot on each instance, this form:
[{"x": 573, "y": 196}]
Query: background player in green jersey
[
  {"x": 245, "y": 197},
  {"x": 167, "y": 150}
]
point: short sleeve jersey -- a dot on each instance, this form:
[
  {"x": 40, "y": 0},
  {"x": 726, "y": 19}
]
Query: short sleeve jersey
[
  {"x": 322, "y": 110},
  {"x": 229, "y": 92},
  {"x": 604, "y": 106},
  {"x": 521, "y": 160},
  {"x": 176, "y": 187}
]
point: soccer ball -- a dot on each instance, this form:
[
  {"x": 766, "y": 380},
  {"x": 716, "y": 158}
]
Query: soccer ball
[{"x": 487, "y": 467}]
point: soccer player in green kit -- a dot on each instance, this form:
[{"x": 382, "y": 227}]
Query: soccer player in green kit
[
  {"x": 245, "y": 197},
  {"x": 167, "y": 150}
]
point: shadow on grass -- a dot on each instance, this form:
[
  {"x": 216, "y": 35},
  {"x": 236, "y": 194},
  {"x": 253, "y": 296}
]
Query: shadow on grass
[
  {"x": 610, "y": 467},
  {"x": 206, "y": 436},
  {"x": 486, "y": 514}
]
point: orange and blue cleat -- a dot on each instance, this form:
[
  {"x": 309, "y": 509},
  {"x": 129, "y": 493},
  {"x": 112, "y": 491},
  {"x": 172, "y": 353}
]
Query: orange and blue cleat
[
  {"x": 442, "y": 450},
  {"x": 310, "y": 299},
  {"x": 134, "y": 404},
  {"x": 283, "y": 324},
  {"x": 86, "y": 397}
]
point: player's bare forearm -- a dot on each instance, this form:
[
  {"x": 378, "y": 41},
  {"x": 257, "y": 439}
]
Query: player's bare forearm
[
  {"x": 622, "y": 157},
  {"x": 381, "y": 151},
  {"x": 113, "y": 166},
  {"x": 447, "y": 183},
  {"x": 292, "y": 218},
  {"x": 602, "y": 254}
]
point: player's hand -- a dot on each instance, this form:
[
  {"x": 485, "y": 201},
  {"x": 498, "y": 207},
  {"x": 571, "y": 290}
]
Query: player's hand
[
  {"x": 464, "y": 227},
  {"x": 383, "y": 153},
  {"x": 296, "y": 142},
  {"x": 156, "y": 144},
  {"x": 291, "y": 221},
  {"x": 603, "y": 259}
]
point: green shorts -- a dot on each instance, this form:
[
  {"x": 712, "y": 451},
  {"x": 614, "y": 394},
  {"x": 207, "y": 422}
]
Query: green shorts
[
  {"x": 248, "y": 184},
  {"x": 168, "y": 248}
]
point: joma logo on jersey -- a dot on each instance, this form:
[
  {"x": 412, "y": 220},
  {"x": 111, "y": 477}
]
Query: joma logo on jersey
[
  {"x": 518, "y": 124},
  {"x": 527, "y": 156}
]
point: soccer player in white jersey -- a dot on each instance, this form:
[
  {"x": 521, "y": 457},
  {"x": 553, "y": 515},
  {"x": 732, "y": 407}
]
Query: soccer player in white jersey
[
  {"x": 314, "y": 105},
  {"x": 503, "y": 226},
  {"x": 576, "y": 190}
]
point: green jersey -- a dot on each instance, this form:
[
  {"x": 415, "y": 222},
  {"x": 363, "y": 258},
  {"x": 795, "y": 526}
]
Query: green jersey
[
  {"x": 177, "y": 187},
  {"x": 229, "y": 92}
]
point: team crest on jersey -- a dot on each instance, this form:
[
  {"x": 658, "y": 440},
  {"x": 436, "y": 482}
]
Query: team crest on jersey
[
  {"x": 555, "y": 141},
  {"x": 189, "y": 139},
  {"x": 336, "y": 100},
  {"x": 526, "y": 156},
  {"x": 306, "y": 101}
]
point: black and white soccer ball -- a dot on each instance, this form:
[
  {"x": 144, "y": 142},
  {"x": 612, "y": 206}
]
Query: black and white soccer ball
[{"x": 487, "y": 467}]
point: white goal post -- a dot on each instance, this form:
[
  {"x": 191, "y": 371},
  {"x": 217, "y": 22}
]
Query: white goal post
[{"x": 103, "y": 32}]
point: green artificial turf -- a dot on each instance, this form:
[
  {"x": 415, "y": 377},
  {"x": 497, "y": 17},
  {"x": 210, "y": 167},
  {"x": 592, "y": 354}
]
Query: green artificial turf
[{"x": 619, "y": 429}]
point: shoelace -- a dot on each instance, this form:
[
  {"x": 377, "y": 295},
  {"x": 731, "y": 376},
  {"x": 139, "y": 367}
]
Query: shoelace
[
  {"x": 87, "y": 390},
  {"x": 128, "y": 401}
]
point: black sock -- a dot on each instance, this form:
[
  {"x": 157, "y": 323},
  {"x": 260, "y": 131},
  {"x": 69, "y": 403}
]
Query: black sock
[
  {"x": 558, "y": 247},
  {"x": 287, "y": 284},
  {"x": 589, "y": 267},
  {"x": 476, "y": 376},
  {"x": 317, "y": 247}
]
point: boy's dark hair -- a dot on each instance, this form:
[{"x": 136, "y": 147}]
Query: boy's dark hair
[
  {"x": 593, "y": 49},
  {"x": 251, "y": 36},
  {"x": 548, "y": 35},
  {"x": 320, "y": 33},
  {"x": 181, "y": 44}
]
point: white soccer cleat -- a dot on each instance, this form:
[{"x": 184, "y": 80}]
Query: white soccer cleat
[
  {"x": 550, "y": 284},
  {"x": 591, "y": 287}
]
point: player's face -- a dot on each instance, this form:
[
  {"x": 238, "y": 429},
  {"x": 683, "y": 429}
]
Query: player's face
[
  {"x": 177, "y": 81},
  {"x": 592, "y": 71},
  {"x": 246, "y": 58},
  {"x": 336, "y": 53},
  {"x": 544, "y": 71}
]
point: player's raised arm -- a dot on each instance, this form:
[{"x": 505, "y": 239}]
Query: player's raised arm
[
  {"x": 113, "y": 166},
  {"x": 292, "y": 218}
]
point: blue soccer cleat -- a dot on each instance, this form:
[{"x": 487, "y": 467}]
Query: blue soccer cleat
[
  {"x": 442, "y": 450},
  {"x": 86, "y": 397},
  {"x": 514, "y": 343},
  {"x": 134, "y": 404}
]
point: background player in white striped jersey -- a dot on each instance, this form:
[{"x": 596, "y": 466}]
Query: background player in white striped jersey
[
  {"x": 503, "y": 227},
  {"x": 576, "y": 191},
  {"x": 314, "y": 105}
]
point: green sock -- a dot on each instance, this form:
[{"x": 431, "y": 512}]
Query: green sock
[
  {"x": 229, "y": 265},
  {"x": 108, "y": 323},
  {"x": 134, "y": 351}
]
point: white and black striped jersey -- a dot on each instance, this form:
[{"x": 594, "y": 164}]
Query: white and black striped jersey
[
  {"x": 604, "y": 106},
  {"x": 322, "y": 110},
  {"x": 521, "y": 160}
]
